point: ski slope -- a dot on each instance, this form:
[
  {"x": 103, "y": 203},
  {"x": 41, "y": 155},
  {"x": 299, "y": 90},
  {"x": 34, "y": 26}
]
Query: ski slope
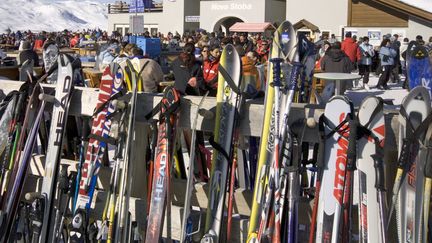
[
  {"x": 421, "y": 4},
  {"x": 52, "y": 15}
]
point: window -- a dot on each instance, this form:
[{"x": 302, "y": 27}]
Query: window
[{"x": 119, "y": 30}]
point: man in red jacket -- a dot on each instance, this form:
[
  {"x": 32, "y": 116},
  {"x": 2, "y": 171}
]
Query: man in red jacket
[{"x": 351, "y": 49}]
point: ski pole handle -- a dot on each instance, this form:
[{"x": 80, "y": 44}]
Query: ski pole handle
[
  {"x": 295, "y": 72},
  {"x": 352, "y": 145},
  {"x": 47, "y": 98},
  {"x": 276, "y": 71},
  {"x": 405, "y": 154},
  {"x": 379, "y": 172},
  {"x": 207, "y": 114},
  {"x": 428, "y": 165},
  {"x": 31, "y": 196}
]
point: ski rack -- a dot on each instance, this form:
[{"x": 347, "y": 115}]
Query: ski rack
[{"x": 84, "y": 101}]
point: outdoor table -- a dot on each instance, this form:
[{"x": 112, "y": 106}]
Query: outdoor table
[
  {"x": 88, "y": 64},
  {"x": 338, "y": 78}
]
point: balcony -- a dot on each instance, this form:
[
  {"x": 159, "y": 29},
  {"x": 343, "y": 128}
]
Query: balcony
[{"x": 121, "y": 8}]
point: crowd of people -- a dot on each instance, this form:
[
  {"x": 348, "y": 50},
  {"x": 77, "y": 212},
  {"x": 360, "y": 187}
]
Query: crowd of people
[
  {"x": 196, "y": 68},
  {"x": 388, "y": 60}
]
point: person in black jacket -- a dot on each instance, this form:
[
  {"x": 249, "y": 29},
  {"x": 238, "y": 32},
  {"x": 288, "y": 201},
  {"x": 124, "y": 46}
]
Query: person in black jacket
[
  {"x": 26, "y": 53},
  {"x": 335, "y": 60},
  {"x": 188, "y": 72}
]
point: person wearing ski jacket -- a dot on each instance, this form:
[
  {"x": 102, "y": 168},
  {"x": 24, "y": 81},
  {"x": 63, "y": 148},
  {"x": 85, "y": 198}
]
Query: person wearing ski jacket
[
  {"x": 246, "y": 44},
  {"x": 367, "y": 52},
  {"x": 211, "y": 70},
  {"x": 187, "y": 71},
  {"x": 263, "y": 50},
  {"x": 403, "y": 48},
  {"x": 74, "y": 41},
  {"x": 106, "y": 57},
  {"x": 335, "y": 60},
  {"x": 387, "y": 57},
  {"x": 151, "y": 74},
  {"x": 27, "y": 53},
  {"x": 250, "y": 76},
  {"x": 351, "y": 49}
]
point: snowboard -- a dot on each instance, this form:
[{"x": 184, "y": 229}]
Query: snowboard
[{"x": 420, "y": 69}]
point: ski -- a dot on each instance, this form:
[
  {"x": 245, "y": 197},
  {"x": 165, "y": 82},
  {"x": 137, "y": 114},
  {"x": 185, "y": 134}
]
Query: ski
[
  {"x": 228, "y": 103},
  {"x": 169, "y": 107},
  {"x": 110, "y": 87},
  {"x": 415, "y": 117},
  {"x": 337, "y": 113},
  {"x": 16, "y": 182},
  {"x": 283, "y": 42},
  {"x": 370, "y": 166},
  {"x": 59, "y": 116},
  {"x": 132, "y": 68}
]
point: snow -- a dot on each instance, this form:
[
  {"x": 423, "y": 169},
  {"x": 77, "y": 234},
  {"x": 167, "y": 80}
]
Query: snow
[
  {"x": 52, "y": 15},
  {"x": 395, "y": 95},
  {"x": 421, "y": 4}
]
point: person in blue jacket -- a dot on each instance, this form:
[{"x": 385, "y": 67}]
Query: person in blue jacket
[{"x": 387, "y": 57}]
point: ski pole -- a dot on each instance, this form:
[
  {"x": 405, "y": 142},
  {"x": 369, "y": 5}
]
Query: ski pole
[
  {"x": 351, "y": 166},
  {"x": 319, "y": 165},
  {"x": 428, "y": 185},
  {"x": 403, "y": 164},
  {"x": 189, "y": 187},
  {"x": 274, "y": 172},
  {"x": 232, "y": 184},
  {"x": 293, "y": 194},
  {"x": 380, "y": 186}
]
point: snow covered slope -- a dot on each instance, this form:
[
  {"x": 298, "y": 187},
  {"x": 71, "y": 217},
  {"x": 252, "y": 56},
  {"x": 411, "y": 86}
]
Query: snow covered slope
[
  {"x": 421, "y": 4},
  {"x": 52, "y": 15}
]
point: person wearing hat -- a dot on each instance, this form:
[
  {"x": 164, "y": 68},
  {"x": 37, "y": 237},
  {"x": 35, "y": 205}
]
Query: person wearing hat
[{"x": 26, "y": 52}]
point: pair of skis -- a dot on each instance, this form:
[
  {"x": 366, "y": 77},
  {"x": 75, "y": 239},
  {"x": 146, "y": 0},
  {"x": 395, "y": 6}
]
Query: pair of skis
[
  {"x": 339, "y": 131},
  {"x": 412, "y": 182},
  {"x": 160, "y": 202}
]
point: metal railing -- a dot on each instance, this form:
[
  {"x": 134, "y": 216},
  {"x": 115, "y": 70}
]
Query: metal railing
[{"x": 118, "y": 8}]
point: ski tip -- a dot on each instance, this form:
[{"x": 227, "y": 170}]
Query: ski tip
[{"x": 417, "y": 93}]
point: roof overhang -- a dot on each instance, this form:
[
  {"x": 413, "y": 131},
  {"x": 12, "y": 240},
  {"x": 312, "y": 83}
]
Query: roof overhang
[
  {"x": 251, "y": 27},
  {"x": 408, "y": 9}
]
